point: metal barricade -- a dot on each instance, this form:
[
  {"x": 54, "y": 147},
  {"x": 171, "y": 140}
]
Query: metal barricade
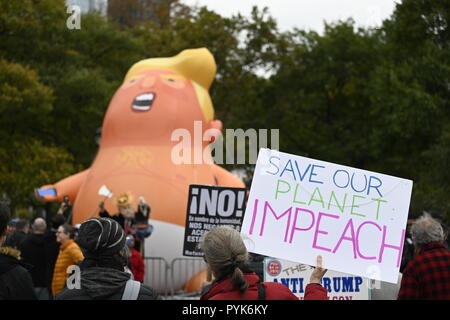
[
  {"x": 170, "y": 280},
  {"x": 182, "y": 270},
  {"x": 157, "y": 274}
]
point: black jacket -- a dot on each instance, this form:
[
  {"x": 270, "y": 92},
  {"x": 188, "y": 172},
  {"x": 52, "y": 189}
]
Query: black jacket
[
  {"x": 34, "y": 251},
  {"x": 104, "y": 284},
  {"x": 52, "y": 248},
  {"x": 15, "y": 239},
  {"x": 15, "y": 281},
  {"x": 118, "y": 218}
]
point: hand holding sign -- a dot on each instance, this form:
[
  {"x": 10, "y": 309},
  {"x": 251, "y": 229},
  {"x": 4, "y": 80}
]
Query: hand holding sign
[
  {"x": 296, "y": 276},
  {"x": 319, "y": 271},
  {"x": 106, "y": 193}
]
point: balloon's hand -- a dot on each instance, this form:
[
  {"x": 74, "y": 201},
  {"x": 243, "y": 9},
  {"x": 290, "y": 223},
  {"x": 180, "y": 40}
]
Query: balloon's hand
[{"x": 46, "y": 193}]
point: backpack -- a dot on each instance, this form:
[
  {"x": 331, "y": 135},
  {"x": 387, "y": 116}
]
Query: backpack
[
  {"x": 261, "y": 291},
  {"x": 131, "y": 291}
]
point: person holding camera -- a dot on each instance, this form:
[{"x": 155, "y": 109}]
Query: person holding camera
[{"x": 66, "y": 210}]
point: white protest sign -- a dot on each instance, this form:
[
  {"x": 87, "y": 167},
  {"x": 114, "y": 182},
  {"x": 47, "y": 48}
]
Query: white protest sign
[
  {"x": 295, "y": 276},
  {"x": 104, "y": 191},
  {"x": 299, "y": 208}
]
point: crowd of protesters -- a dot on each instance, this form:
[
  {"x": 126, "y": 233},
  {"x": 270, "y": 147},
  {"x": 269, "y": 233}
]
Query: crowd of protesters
[
  {"x": 34, "y": 261},
  {"x": 35, "y": 256}
]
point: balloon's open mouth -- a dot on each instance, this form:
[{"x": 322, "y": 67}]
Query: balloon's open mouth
[{"x": 143, "y": 102}]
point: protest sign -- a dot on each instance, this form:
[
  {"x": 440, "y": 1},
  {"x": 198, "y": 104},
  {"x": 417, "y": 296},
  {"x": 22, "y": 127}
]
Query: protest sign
[
  {"x": 295, "y": 276},
  {"x": 209, "y": 206},
  {"x": 299, "y": 208}
]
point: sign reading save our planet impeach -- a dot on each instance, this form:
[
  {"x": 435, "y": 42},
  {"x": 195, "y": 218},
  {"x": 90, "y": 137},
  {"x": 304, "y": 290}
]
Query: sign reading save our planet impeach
[{"x": 299, "y": 208}]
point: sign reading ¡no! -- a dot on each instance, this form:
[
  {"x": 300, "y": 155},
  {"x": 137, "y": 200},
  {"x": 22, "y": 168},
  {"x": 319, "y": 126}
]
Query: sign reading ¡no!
[
  {"x": 299, "y": 208},
  {"x": 210, "y": 206}
]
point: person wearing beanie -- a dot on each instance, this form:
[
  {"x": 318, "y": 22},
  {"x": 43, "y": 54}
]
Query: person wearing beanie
[
  {"x": 15, "y": 239},
  {"x": 102, "y": 277},
  {"x": 11, "y": 227}
]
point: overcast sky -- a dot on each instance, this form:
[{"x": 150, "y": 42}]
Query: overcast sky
[{"x": 307, "y": 14}]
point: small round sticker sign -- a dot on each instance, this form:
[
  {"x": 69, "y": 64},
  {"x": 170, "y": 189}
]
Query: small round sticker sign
[{"x": 274, "y": 268}]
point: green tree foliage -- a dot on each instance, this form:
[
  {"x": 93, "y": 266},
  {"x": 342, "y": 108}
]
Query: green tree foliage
[
  {"x": 376, "y": 99},
  {"x": 324, "y": 107},
  {"x": 413, "y": 100},
  {"x": 28, "y": 163},
  {"x": 26, "y": 160},
  {"x": 83, "y": 67},
  {"x": 25, "y": 103}
]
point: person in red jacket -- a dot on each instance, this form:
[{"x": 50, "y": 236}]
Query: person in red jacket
[
  {"x": 137, "y": 265},
  {"x": 227, "y": 259}
]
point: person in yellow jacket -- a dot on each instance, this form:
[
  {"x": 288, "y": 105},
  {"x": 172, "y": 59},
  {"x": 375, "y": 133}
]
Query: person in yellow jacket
[{"x": 69, "y": 254}]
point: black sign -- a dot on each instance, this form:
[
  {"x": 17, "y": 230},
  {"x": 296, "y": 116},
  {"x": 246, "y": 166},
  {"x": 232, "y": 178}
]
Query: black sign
[{"x": 210, "y": 206}]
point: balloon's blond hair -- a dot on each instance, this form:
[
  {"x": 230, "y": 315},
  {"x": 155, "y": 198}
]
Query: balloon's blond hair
[{"x": 197, "y": 65}]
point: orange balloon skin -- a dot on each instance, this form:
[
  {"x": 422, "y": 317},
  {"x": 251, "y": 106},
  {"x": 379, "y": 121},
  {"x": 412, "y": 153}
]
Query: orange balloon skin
[{"x": 138, "y": 151}]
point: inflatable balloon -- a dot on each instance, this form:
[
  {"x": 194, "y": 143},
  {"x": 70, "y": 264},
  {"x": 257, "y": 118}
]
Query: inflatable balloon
[{"x": 159, "y": 101}]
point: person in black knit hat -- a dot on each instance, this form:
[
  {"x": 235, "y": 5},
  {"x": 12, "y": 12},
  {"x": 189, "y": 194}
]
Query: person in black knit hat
[{"x": 102, "y": 277}]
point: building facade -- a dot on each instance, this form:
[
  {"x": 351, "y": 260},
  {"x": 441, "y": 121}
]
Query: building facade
[{"x": 86, "y": 6}]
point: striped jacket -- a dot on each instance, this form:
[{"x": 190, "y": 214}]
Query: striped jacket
[{"x": 69, "y": 254}]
